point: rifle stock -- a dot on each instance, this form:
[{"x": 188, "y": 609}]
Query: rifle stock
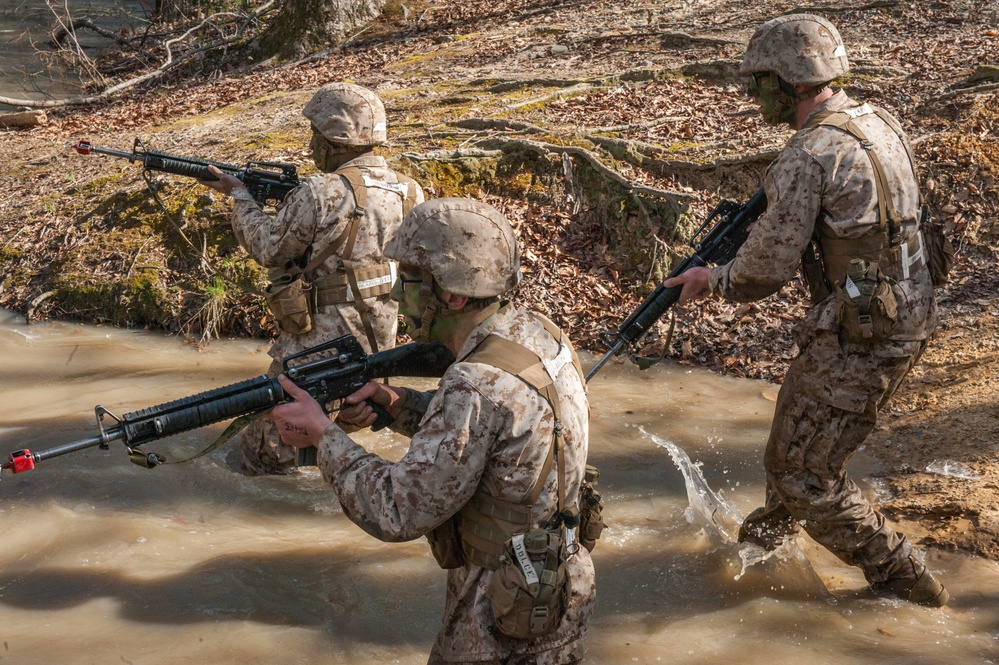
[
  {"x": 341, "y": 369},
  {"x": 715, "y": 243},
  {"x": 267, "y": 182}
]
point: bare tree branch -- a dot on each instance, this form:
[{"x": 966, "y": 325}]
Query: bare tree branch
[{"x": 170, "y": 63}]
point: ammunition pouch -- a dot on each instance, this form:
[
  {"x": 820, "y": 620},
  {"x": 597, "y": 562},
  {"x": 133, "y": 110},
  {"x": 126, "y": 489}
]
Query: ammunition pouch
[
  {"x": 288, "y": 297},
  {"x": 938, "y": 248},
  {"x": 529, "y": 592},
  {"x": 591, "y": 520},
  {"x": 372, "y": 282},
  {"x": 445, "y": 545},
  {"x": 866, "y": 308}
]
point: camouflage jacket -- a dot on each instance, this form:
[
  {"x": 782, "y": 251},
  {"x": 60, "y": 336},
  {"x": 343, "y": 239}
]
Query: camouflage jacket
[
  {"x": 824, "y": 177},
  {"x": 482, "y": 428},
  {"x": 314, "y": 214}
]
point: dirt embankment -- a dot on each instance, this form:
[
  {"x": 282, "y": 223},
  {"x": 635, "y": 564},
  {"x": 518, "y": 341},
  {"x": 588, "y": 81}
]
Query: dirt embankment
[{"x": 605, "y": 130}]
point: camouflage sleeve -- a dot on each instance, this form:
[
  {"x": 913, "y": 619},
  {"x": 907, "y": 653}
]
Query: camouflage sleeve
[
  {"x": 404, "y": 500},
  {"x": 413, "y": 410},
  {"x": 286, "y": 237},
  {"x": 771, "y": 255}
]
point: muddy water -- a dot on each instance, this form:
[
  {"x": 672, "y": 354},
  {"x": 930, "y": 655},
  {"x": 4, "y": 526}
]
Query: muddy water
[
  {"x": 105, "y": 562},
  {"x": 28, "y": 69}
]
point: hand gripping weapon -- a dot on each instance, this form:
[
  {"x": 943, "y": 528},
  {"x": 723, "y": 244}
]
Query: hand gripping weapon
[
  {"x": 267, "y": 182},
  {"x": 717, "y": 246},
  {"x": 326, "y": 378}
]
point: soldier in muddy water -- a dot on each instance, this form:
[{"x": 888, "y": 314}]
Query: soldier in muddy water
[
  {"x": 496, "y": 465},
  {"x": 844, "y": 203},
  {"x": 324, "y": 248}
]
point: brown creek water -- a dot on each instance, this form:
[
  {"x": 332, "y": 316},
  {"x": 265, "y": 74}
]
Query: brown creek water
[{"x": 103, "y": 562}]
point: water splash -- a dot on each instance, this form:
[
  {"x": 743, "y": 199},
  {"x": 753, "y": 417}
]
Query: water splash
[
  {"x": 788, "y": 567},
  {"x": 707, "y": 508}
]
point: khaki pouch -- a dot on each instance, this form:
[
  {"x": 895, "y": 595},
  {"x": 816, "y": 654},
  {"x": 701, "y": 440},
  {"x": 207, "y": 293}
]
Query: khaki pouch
[
  {"x": 445, "y": 545},
  {"x": 591, "y": 521},
  {"x": 529, "y": 591},
  {"x": 287, "y": 296},
  {"x": 938, "y": 249},
  {"x": 866, "y": 309}
]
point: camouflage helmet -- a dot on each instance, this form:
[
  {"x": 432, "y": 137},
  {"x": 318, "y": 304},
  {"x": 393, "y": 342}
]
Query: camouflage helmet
[
  {"x": 347, "y": 114},
  {"x": 800, "y": 48},
  {"x": 468, "y": 246}
]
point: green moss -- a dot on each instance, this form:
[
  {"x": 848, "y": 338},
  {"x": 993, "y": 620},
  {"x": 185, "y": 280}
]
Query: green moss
[{"x": 140, "y": 300}]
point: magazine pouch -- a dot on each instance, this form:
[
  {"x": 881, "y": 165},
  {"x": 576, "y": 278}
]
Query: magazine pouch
[{"x": 529, "y": 591}]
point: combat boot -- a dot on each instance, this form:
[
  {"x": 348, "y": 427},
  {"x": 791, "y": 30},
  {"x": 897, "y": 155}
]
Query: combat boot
[
  {"x": 922, "y": 589},
  {"x": 768, "y": 528}
]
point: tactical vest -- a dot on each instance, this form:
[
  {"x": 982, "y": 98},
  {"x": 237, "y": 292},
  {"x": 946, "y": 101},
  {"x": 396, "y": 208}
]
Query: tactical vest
[
  {"x": 478, "y": 532},
  {"x": 898, "y": 256},
  {"x": 352, "y": 284}
]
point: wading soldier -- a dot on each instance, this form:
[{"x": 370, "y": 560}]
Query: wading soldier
[
  {"x": 324, "y": 249},
  {"x": 496, "y": 464},
  {"x": 843, "y": 202}
]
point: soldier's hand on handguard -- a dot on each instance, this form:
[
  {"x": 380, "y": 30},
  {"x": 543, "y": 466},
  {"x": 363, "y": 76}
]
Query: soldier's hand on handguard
[
  {"x": 357, "y": 412},
  {"x": 301, "y": 422},
  {"x": 695, "y": 283},
  {"x": 225, "y": 183}
]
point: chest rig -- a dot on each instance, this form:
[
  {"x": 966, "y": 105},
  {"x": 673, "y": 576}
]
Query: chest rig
[
  {"x": 351, "y": 283},
  {"x": 828, "y": 258},
  {"x": 478, "y": 532}
]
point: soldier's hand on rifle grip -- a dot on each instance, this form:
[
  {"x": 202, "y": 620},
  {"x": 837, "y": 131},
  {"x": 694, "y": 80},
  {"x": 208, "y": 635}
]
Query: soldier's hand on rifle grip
[
  {"x": 695, "y": 283},
  {"x": 225, "y": 182},
  {"x": 301, "y": 422},
  {"x": 357, "y": 412}
]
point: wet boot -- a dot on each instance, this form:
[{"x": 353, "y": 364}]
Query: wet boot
[
  {"x": 920, "y": 587},
  {"x": 767, "y": 527}
]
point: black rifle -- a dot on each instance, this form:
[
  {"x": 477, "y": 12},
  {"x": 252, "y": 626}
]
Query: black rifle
[
  {"x": 718, "y": 246},
  {"x": 267, "y": 182},
  {"x": 328, "y": 378}
]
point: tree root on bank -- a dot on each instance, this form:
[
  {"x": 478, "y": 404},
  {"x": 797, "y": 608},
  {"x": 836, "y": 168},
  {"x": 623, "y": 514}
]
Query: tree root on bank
[
  {"x": 33, "y": 305},
  {"x": 546, "y": 149},
  {"x": 647, "y": 155}
]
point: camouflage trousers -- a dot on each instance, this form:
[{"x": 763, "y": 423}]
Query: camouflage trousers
[
  {"x": 825, "y": 410},
  {"x": 260, "y": 443}
]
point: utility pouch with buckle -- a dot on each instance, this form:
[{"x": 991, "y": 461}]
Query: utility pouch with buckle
[
  {"x": 591, "y": 520},
  {"x": 530, "y": 591},
  {"x": 288, "y": 299},
  {"x": 866, "y": 308},
  {"x": 938, "y": 247}
]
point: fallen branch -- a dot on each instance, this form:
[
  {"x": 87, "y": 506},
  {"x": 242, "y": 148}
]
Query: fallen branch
[
  {"x": 497, "y": 124},
  {"x": 836, "y": 9},
  {"x": 558, "y": 93},
  {"x": 452, "y": 155},
  {"x": 974, "y": 90},
  {"x": 63, "y": 31},
  {"x": 23, "y": 119},
  {"x": 639, "y": 125},
  {"x": 168, "y": 64}
]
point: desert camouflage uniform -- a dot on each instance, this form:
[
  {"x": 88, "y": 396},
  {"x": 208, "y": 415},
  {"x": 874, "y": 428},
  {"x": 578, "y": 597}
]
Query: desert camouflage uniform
[
  {"x": 482, "y": 428},
  {"x": 824, "y": 181},
  {"x": 314, "y": 214}
]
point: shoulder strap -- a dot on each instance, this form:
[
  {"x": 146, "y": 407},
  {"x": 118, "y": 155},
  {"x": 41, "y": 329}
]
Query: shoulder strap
[
  {"x": 355, "y": 177},
  {"x": 355, "y": 181},
  {"x": 540, "y": 375},
  {"x": 843, "y": 120}
]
